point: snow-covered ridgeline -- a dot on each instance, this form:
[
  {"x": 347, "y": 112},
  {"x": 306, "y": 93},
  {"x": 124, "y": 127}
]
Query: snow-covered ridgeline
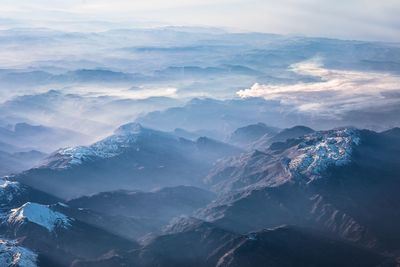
[
  {"x": 13, "y": 255},
  {"x": 107, "y": 148},
  {"x": 321, "y": 150},
  {"x": 123, "y": 138},
  {"x": 39, "y": 214}
]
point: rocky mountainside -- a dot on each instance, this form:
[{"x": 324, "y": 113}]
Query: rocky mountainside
[
  {"x": 211, "y": 246},
  {"x": 340, "y": 181},
  {"x": 324, "y": 198}
]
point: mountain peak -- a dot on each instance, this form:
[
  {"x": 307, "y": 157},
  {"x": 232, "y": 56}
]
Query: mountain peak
[
  {"x": 38, "y": 214},
  {"x": 320, "y": 150},
  {"x": 130, "y": 128}
]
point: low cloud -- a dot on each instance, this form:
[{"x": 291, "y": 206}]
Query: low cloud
[{"x": 335, "y": 93}]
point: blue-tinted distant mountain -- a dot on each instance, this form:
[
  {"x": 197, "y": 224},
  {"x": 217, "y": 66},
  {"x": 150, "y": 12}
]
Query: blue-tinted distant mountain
[
  {"x": 179, "y": 49},
  {"x": 248, "y": 134},
  {"x": 94, "y": 116},
  {"x": 94, "y": 76},
  {"x": 282, "y": 136},
  {"x": 194, "y": 135},
  {"x": 344, "y": 54},
  {"x": 133, "y": 158},
  {"x": 197, "y": 63},
  {"x": 98, "y": 76},
  {"x": 225, "y": 116},
  {"x": 186, "y": 72},
  {"x": 19, "y": 161},
  {"x": 260, "y": 50},
  {"x": 158, "y": 204},
  {"x": 147, "y": 212},
  {"x": 25, "y": 77},
  {"x": 39, "y": 137},
  {"x": 10, "y": 148},
  {"x": 222, "y": 116}
]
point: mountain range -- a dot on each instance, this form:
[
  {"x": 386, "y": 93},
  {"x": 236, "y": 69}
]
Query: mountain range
[
  {"x": 310, "y": 198},
  {"x": 133, "y": 157}
]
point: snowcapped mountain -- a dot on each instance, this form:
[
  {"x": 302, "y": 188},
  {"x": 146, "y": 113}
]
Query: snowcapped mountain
[
  {"x": 319, "y": 151},
  {"x": 38, "y": 214},
  {"x": 58, "y": 237},
  {"x": 123, "y": 138},
  {"x": 302, "y": 159},
  {"x": 339, "y": 181},
  {"x": 38, "y": 230},
  {"x": 13, "y": 255},
  {"x": 336, "y": 189},
  {"x": 134, "y": 157}
]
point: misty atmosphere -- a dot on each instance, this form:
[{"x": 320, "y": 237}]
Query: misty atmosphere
[{"x": 224, "y": 133}]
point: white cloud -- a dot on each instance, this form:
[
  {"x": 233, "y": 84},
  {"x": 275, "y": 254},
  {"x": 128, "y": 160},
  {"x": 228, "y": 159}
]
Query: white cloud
[{"x": 335, "y": 91}]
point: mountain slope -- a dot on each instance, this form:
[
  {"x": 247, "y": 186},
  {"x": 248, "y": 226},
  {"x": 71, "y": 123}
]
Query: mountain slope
[
  {"x": 169, "y": 202},
  {"x": 214, "y": 247},
  {"x": 290, "y": 133},
  {"x": 58, "y": 237},
  {"x": 244, "y": 136},
  {"x": 138, "y": 213},
  {"x": 342, "y": 181},
  {"x": 133, "y": 158},
  {"x": 19, "y": 161},
  {"x": 39, "y": 137}
]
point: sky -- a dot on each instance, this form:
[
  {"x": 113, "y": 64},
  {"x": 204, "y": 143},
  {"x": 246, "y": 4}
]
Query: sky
[{"x": 345, "y": 19}]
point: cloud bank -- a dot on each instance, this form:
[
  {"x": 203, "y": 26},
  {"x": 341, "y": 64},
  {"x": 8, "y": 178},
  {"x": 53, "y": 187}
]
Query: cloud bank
[{"x": 334, "y": 93}]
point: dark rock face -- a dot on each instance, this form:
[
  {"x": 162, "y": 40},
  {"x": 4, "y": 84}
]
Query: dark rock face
[
  {"x": 290, "y": 246},
  {"x": 203, "y": 244}
]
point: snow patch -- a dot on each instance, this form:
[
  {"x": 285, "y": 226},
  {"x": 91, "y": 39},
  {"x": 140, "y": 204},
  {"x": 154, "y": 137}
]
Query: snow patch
[
  {"x": 39, "y": 214},
  {"x": 107, "y": 148},
  {"x": 8, "y": 191},
  {"x": 321, "y": 150},
  {"x": 13, "y": 255}
]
